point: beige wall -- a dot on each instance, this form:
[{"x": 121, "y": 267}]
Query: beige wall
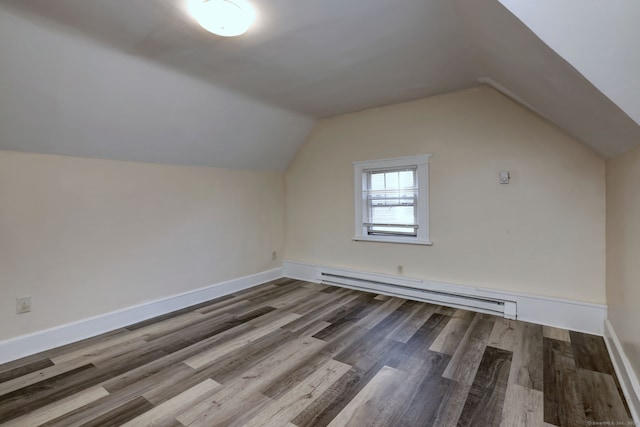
[
  {"x": 623, "y": 251},
  {"x": 85, "y": 237},
  {"x": 542, "y": 234}
]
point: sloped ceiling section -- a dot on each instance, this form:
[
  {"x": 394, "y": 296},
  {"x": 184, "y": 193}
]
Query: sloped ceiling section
[
  {"x": 600, "y": 39},
  {"x": 507, "y": 52},
  {"x": 139, "y": 80},
  {"x": 317, "y": 57},
  {"x": 63, "y": 95}
]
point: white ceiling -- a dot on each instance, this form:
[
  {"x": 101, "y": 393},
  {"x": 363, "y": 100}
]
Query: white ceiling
[
  {"x": 316, "y": 57},
  {"x": 140, "y": 80}
]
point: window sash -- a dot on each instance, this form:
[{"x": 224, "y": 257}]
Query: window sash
[{"x": 394, "y": 196}]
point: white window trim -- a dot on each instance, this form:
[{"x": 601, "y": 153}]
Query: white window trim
[{"x": 422, "y": 162}]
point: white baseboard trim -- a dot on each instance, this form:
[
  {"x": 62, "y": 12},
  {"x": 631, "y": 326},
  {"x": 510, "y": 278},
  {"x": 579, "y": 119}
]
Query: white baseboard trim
[
  {"x": 561, "y": 313},
  {"x": 25, "y": 345},
  {"x": 626, "y": 375}
]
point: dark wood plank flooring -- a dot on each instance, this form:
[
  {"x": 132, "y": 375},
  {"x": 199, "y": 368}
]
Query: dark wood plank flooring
[{"x": 291, "y": 353}]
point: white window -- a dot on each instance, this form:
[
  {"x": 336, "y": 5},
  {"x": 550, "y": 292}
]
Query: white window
[{"x": 392, "y": 200}]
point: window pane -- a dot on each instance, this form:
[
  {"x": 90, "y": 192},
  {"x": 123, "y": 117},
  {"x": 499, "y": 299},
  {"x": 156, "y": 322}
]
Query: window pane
[
  {"x": 376, "y": 181},
  {"x": 391, "y": 179},
  {"x": 393, "y": 215},
  {"x": 391, "y": 198},
  {"x": 407, "y": 179}
]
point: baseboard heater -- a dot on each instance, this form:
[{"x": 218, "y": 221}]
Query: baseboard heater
[{"x": 420, "y": 290}]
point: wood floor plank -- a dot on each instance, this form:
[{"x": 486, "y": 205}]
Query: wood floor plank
[
  {"x": 450, "y": 337},
  {"x": 224, "y": 330},
  {"x": 366, "y": 366},
  {"x": 379, "y": 314},
  {"x": 345, "y": 317},
  {"x": 58, "y": 408},
  {"x": 299, "y": 397},
  {"x": 216, "y": 352},
  {"x": 405, "y": 330},
  {"x": 556, "y": 333},
  {"x": 368, "y": 407},
  {"x": 196, "y": 307},
  {"x": 289, "y": 300},
  {"x": 226, "y": 410},
  {"x": 240, "y": 399},
  {"x": 48, "y": 372},
  {"x": 314, "y": 286},
  {"x": 522, "y": 407},
  {"x": 373, "y": 342},
  {"x": 232, "y": 365},
  {"x": 100, "y": 347},
  {"x": 505, "y": 334},
  {"x": 256, "y": 290},
  {"x": 366, "y": 361},
  {"x": 164, "y": 414},
  {"x": 225, "y": 306},
  {"x": 83, "y": 343},
  {"x": 324, "y": 409},
  {"x": 562, "y": 400},
  {"x": 171, "y": 362},
  {"x": 143, "y": 371},
  {"x": 425, "y": 393},
  {"x": 22, "y": 362},
  {"x": 449, "y": 413},
  {"x": 422, "y": 339},
  {"x": 123, "y": 361},
  {"x": 195, "y": 331},
  {"x": 367, "y": 356},
  {"x": 121, "y": 414},
  {"x": 24, "y": 370},
  {"x": 209, "y": 326},
  {"x": 601, "y": 399},
  {"x": 284, "y": 281},
  {"x": 316, "y": 299},
  {"x": 161, "y": 380},
  {"x": 525, "y": 341},
  {"x": 322, "y": 311},
  {"x": 263, "y": 298},
  {"x": 180, "y": 377},
  {"x": 527, "y": 362},
  {"x": 298, "y": 354},
  {"x": 35, "y": 396},
  {"x": 485, "y": 402},
  {"x": 590, "y": 352},
  {"x": 296, "y": 375},
  {"x": 467, "y": 357}
]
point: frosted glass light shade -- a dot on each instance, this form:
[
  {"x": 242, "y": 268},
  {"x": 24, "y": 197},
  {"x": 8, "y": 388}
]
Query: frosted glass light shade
[{"x": 226, "y": 18}]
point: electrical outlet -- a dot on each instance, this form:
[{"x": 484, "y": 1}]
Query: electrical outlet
[
  {"x": 23, "y": 305},
  {"x": 274, "y": 255}
]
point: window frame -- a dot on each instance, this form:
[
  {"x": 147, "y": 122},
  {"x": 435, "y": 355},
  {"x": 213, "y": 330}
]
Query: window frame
[{"x": 421, "y": 163}]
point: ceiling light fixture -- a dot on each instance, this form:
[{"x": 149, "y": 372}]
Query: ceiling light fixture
[{"x": 226, "y": 18}]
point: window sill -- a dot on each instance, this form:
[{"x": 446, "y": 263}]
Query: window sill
[{"x": 393, "y": 240}]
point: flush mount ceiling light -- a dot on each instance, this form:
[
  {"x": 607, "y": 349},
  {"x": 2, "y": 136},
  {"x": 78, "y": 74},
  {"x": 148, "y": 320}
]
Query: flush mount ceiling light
[{"x": 226, "y": 18}]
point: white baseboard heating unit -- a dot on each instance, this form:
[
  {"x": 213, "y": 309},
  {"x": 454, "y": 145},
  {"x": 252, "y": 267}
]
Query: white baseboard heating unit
[{"x": 463, "y": 297}]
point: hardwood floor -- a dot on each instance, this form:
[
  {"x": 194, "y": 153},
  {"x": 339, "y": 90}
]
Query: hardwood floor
[{"x": 291, "y": 353}]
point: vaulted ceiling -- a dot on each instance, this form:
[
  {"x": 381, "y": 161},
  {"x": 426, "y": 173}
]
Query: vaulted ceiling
[{"x": 140, "y": 80}]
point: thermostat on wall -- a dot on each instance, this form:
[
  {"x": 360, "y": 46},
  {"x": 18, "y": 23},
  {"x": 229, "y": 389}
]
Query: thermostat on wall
[{"x": 504, "y": 177}]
